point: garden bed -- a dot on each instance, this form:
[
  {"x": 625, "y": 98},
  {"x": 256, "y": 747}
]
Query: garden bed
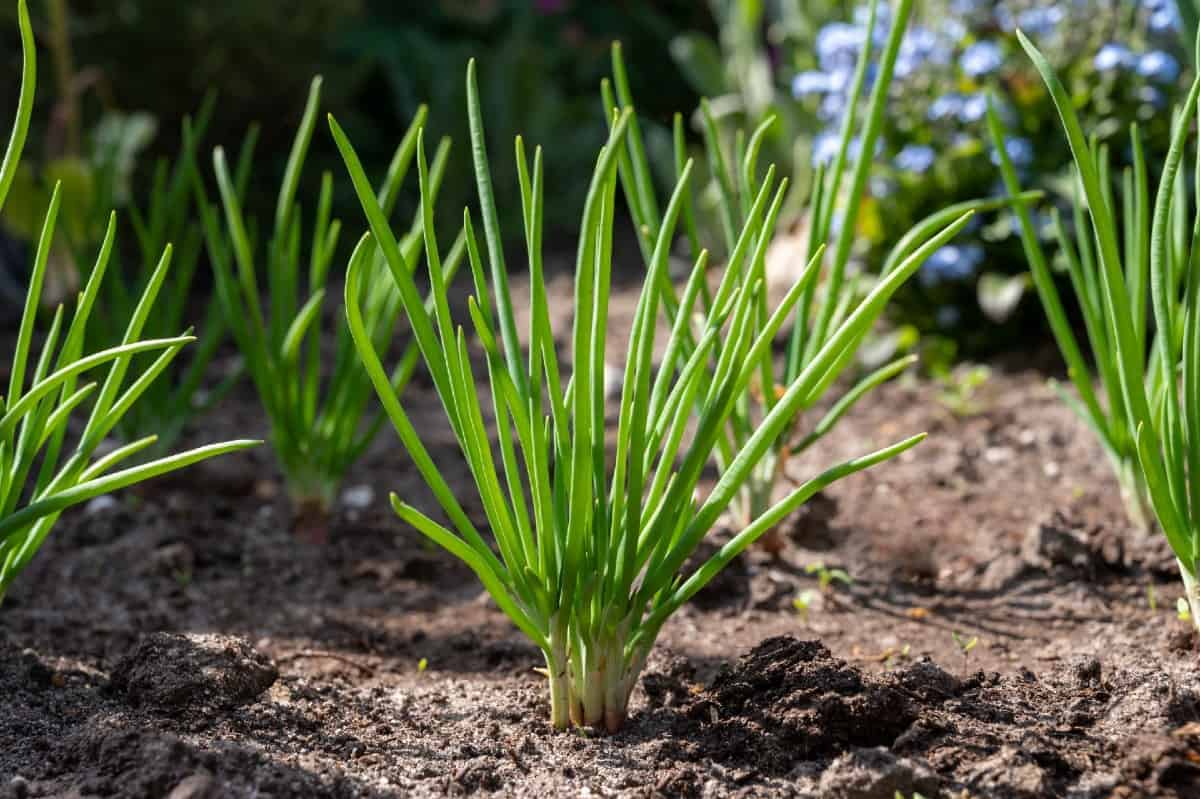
[{"x": 375, "y": 666}]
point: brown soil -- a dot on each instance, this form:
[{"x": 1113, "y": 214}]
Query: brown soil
[{"x": 183, "y": 643}]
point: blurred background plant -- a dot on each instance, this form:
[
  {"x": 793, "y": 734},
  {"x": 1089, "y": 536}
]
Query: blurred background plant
[
  {"x": 112, "y": 118},
  {"x": 545, "y": 59},
  {"x": 381, "y": 60},
  {"x": 1121, "y": 60}
]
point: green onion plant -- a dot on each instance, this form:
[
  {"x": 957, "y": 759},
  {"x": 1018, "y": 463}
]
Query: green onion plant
[
  {"x": 41, "y": 472},
  {"x": 588, "y": 546},
  {"x": 169, "y": 215},
  {"x": 823, "y": 305},
  {"x": 316, "y": 400},
  {"x": 1138, "y": 287}
]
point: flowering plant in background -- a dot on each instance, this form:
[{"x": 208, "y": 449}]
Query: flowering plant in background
[{"x": 934, "y": 148}]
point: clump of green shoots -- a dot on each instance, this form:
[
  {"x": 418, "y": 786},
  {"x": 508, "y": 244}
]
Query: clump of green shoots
[
  {"x": 317, "y": 406},
  {"x": 958, "y": 387},
  {"x": 1138, "y": 287},
  {"x": 41, "y": 473},
  {"x": 590, "y": 544},
  {"x": 826, "y": 576},
  {"x": 965, "y": 643},
  {"x": 169, "y": 404},
  {"x": 823, "y": 305}
]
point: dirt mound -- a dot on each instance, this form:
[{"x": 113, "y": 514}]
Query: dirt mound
[{"x": 172, "y": 673}]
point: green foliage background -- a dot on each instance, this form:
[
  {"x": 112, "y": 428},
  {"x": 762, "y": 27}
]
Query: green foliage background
[{"x": 540, "y": 66}]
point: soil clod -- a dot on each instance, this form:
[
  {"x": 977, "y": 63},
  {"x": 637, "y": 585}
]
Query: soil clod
[
  {"x": 169, "y": 672},
  {"x": 876, "y": 774}
]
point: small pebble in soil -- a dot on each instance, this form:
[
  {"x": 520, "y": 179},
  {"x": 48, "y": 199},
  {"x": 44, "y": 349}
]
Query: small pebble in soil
[
  {"x": 169, "y": 672},
  {"x": 1086, "y": 670},
  {"x": 1052, "y": 543},
  {"x": 614, "y": 380},
  {"x": 18, "y": 787},
  {"x": 100, "y": 505},
  {"x": 358, "y": 497},
  {"x": 38, "y": 673},
  {"x": 998, "y": 454},
  {"x": 197, "y": 786},
  {"x": 1181, "y": 639},
  {"x": 876, "y": 774}
]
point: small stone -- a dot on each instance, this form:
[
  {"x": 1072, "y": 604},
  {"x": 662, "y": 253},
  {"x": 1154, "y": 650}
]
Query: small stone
[
  {"x": 998, "y": 454},
  {"x": 1009, "y": 772},
  {"x": 197, "y": 786},
  {"x": 876, "y": 774},
  {"x": 1049, "y": 544},
  {"x": 614, "y": 380},
  {"x": 37, "y": 672},
  {"x": 358, "y": 497},
  {"x": 101, "y": 504},
  {"x": 266, "y": 489},
  {"x": 1085, "y": 670},
  {"x": 1001, "y": 572},
  {"x": 18, "y": 787},
  {"x": 1181, "y": 639},
  {"x": 1051, "y": 469},
  {"x": 1027, "y": 438}
]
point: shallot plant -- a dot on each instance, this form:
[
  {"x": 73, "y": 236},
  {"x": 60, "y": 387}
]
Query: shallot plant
[
  {"x": 316, "y": 400},
  {"x": 589, "y": 545},
  {"x": 1138, "y": 288},
  {"x": 837, "y": 196},
  {"x": 169, "y": 215},
  {"x": 42, "y": 473}
]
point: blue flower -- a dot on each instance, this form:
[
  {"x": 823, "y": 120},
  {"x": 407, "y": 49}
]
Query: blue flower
[
  {"x": 966, "y": 8},
  {"x": 948, "y": 106},
  {"x": 1166, "y": 20},
  {"x": 974, "y": 108},
  {"x": 855, "y": 148},
  {"x": 825, "y": 148},
  {"x": 916, "y": 158},
  {"x": 1113, "y": 56},
  {"x": 881, "y": 187},
  {"x": 883, "y": 21},
  {"x": 1019, "y": 150},
  {"x": 1040, "y": 21},
  {"x": 1005, "y": 20},
  {"x": 919, "y": 46},
  {"x": 954, "y": 29},
  {"x": 1158, "y": 66},
  {"x": 951, "y": 262},
  {"x": 981, "y": 58},
  {"x": 832, "y": 106},
  {"x": 840, "y": 79},
  {"x": 810, "y": 82},
  {"x": 838, "y": 45}
]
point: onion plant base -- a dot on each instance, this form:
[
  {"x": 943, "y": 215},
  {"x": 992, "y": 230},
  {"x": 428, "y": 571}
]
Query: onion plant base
[
  {"x": 591, "y": 693},
  {"x": 1191, "y": 593}
]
